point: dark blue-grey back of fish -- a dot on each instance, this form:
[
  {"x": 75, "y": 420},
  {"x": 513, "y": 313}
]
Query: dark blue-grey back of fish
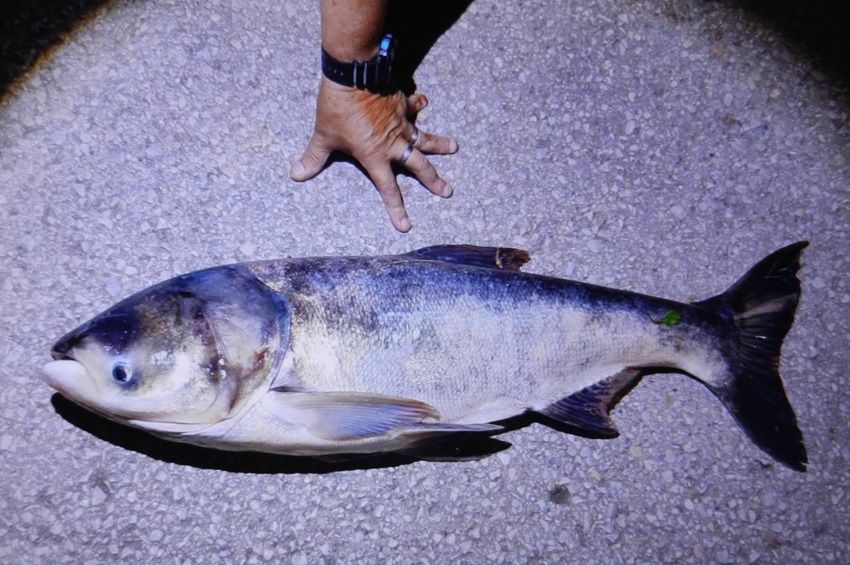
[{"x": 335, "y": 355}]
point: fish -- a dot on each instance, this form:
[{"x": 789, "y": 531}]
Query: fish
[{"x": 322, "y": 356}]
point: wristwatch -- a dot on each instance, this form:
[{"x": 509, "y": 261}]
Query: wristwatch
[{"x": 374, "y": 75}]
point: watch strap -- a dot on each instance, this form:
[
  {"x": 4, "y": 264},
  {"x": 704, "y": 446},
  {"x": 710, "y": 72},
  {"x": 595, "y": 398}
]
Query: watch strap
[{"x": 373, "y": 75}]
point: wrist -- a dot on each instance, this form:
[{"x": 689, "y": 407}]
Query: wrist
[{"x": 373, "y": 73}]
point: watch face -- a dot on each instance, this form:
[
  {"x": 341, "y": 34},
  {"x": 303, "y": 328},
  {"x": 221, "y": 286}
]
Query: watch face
[{"x": 385, "y": 45}]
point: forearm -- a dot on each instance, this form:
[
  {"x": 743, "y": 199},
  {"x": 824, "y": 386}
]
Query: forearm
[{"x": 351, "y": 29}]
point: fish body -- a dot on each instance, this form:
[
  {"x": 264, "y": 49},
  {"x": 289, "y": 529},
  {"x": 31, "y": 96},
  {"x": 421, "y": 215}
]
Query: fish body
[{"x": 329, "y": 355}]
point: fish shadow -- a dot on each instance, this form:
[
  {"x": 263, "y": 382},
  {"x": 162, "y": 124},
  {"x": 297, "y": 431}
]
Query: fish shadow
[{"x": 457, "y": 447}]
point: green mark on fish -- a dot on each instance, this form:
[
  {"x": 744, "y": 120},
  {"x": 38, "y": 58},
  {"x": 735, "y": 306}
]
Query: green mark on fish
[{"x": 670, "y": 318}]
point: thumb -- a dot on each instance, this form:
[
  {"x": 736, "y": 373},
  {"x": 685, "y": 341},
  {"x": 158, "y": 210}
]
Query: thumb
[{"x": 311, "y": 162}]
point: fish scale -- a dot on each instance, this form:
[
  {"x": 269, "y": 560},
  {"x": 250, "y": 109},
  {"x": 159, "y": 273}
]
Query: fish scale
[{"x": 522, "y": 338}]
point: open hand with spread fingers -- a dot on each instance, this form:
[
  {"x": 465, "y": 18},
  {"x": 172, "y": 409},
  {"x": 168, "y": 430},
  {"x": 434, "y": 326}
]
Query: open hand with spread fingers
[{"x": 377, "y": 129}]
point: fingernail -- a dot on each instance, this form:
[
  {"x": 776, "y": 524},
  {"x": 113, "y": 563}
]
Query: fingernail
[
  {"x": 453, "y": 146},
  {"x": 297, "y": 170},
  {"x": 448, "y": 190},
  {"x": 404, "y": 225}
]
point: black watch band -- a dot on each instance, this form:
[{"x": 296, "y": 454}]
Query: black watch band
[{"x": 374, "y": 75}]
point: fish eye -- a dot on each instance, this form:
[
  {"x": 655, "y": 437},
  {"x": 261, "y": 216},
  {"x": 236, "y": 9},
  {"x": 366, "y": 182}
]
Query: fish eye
[{"x": 121, "y": 373}]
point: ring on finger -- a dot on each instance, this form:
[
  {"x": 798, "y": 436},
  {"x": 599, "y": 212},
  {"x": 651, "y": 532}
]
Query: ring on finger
[
  {"x": 406, "y": 155},
  {"x": 414, "y": 137}
]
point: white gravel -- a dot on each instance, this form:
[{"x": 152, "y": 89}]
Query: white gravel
[{"x": 662, "y": 147}]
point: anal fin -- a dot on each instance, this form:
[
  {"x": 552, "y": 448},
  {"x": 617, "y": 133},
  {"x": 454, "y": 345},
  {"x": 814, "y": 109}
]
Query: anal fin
[{"x": 588, "y": 409}]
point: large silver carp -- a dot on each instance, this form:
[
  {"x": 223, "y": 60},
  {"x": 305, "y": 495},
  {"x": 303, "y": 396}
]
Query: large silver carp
[{"x": 336, "y": 355}]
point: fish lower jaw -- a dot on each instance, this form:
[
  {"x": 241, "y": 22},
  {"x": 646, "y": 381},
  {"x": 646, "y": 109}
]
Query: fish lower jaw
[{"x": 65, "y": 376}]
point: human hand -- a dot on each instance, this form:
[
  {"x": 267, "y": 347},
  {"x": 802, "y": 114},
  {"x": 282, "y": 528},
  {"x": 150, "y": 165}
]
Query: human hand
[{"x": 376, "y": 130}]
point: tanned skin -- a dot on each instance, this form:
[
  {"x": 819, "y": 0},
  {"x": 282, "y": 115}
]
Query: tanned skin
[{"x": 373, "y": 128}]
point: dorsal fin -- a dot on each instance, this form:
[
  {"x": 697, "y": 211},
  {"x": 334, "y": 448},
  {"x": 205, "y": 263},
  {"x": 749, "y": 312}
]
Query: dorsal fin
[
  {"x": 503, "y": 258},
  {"x": 588, "y": 408}
]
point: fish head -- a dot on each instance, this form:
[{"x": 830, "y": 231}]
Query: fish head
[{"x": 178, "y": 356}]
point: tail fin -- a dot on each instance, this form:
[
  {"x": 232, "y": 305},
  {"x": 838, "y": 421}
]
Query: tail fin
[{"x": 761, "y": 307}]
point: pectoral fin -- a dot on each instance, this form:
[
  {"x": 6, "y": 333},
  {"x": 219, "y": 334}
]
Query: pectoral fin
[
  {"x": 340, "y": 416},
  {"x": 588, "y": 409}
]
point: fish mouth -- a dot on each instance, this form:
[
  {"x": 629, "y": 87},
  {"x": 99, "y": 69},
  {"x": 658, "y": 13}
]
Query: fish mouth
[
  {"x": 65, "y": 375},
  {"x": 69, "y": 377},
  {"x": 61, "y": 356}
]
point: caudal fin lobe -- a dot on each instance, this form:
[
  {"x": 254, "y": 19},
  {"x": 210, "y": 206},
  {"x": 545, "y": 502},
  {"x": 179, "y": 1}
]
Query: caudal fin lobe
[{"x": 761, "y": 307}]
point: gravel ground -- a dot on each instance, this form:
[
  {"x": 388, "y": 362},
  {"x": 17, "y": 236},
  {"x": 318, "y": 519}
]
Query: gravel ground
[{"x": 662, "y": 147}]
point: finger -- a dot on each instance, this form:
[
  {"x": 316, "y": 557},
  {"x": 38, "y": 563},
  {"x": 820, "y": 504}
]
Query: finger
[
  {"x": 384, "y": 179},
  {"x": 311, "y": 162},
  {"x": 437, "y": 144},
  {"x": 416, "y": 103},
  {"x": 423, "y": 170}
]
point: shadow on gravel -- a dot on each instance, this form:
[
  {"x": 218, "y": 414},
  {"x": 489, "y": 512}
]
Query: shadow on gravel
[
  {"x": 820, "y": 28},
  {"x": 447, "y": 449},
  {"x": 417, "y": 27},
  {"x": 815, "y": 31},
  {"x": 465, "y": 447}
]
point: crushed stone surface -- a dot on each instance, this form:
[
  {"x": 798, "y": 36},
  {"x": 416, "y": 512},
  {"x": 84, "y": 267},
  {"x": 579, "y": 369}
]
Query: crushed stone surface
[{"x": 661, "y": 147}]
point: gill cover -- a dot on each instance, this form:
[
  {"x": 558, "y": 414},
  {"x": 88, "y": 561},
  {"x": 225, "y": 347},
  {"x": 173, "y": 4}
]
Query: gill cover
[{"x": 244, "y": 322}]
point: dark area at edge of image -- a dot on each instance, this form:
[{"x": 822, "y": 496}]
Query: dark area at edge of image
[
  {"x": 820, "y": 29},
  {"x": 29, "y": 29}
]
